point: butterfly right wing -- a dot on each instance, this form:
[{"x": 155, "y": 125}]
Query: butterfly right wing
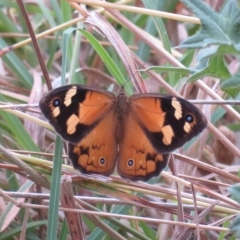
[
  {"x": 155, "y": 126},
  {"x": 168, "y": 122},
  {"x": 138, "y": 160}
]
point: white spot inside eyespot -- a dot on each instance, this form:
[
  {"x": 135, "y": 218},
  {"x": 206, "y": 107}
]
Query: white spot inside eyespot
[
  {"x": 102, "y": 161},
  {"x": 56, "y": 111},
  {"x": 168, "y": 134},
  {"x": 178, "y": 108},
  {"x": 70, "y": 93},
  {"x": 72, "y": 122},
  {"x": 131, "y": 161}
]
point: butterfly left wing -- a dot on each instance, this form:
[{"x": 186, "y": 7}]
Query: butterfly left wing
[
  {"x": 156, "y": 125},
  {"x": 84, "y": 117}
]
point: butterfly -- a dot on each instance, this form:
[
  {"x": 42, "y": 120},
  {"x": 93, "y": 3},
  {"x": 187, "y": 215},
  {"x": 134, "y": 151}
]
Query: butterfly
[{"x": 136, "y": 133}]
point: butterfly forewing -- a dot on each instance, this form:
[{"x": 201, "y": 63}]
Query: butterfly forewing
[
  {"x": 167, "y": 121},
  {"x": 74, "y": 110}
]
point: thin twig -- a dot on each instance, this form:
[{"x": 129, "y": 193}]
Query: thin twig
[{"x": 220, "y": 102}]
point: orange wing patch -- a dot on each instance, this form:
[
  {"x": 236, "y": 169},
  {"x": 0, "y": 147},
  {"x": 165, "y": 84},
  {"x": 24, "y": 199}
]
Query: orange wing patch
[
  {"x": 93, "y": 107},
  {"x": 153, "y": 117},
  {"x": 97, "y": 151},
  {"x": 137, "y": 158},
  {"x": 91, "y": 110}
]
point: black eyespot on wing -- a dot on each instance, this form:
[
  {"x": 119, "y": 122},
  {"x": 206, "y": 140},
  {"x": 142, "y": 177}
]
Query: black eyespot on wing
[
  {"x": 102, "y": 161},
  {"x": 130, "y": 162},
  {"x": 161, "y": 162},
  {"x": 189, "y": 118},
  {"x": 56, "y": 102}
]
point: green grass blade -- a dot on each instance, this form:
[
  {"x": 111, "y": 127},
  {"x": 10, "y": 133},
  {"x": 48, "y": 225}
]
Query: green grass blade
[
  {"x": 55, "y": 191},
  {"x": 17, "y": 130},
  {"x": 17, "y": 67},
  {"x": 110, "y": 64}
]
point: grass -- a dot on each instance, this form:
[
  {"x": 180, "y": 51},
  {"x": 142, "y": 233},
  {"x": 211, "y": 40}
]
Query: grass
[{"x": 42, "y": 196}]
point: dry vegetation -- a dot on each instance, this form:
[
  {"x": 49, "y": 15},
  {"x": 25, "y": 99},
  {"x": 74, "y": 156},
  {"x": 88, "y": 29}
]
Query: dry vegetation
[{"x": 190, "y": 199}]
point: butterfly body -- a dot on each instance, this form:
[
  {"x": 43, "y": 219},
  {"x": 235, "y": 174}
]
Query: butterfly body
[{"x": 137, "y": 132}]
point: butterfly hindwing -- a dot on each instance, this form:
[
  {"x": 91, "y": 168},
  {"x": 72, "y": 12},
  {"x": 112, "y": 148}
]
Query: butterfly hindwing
[
  {"x": 96, "y": 152},
  {"x": 167, "y": 121},
  {"x": 137, "y": 159}
]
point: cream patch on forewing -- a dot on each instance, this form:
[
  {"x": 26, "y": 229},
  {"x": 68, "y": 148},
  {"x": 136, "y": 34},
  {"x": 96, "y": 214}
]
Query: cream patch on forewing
[
  {"x": 168, "y": 134},
  {"x": 70, "y": 93},
  {"x": 178, "y": 108},
  {"x": 56, "y": 111},
  {"x": 72, "y": 122},
  {"x": 187, "y": 127}
]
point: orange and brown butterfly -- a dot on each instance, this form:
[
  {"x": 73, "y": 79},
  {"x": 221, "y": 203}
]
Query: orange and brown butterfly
[{"x": 137, "y": 133}]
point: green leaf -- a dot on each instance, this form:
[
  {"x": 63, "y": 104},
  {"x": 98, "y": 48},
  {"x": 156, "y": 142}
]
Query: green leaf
[
  {"x": 232, "y": 85},
  {"x": 235, "y": 127},
  {"x": 223, "y": 234},
  {"x": 148, "y": 231},
  {"x": 187, "y": 58},
  {"x": 235, "y": 192},
  {"x": 12, "y": 180},
  {"x": 217, "y": 28},
  {"x": 17, "y": 230},
  {"x": 235, "y": 227},
  {"x": 160, "y": 69},
  {"x": 116, "y": 224},
  {"x": 6, "y": 24},
  {"x": 213, "y": 66},
  {"x": 64, "y": 231}
]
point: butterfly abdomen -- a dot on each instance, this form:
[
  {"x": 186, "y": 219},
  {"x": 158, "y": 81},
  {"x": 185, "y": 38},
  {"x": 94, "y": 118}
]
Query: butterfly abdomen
[{"x": 121, "y": 110}]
